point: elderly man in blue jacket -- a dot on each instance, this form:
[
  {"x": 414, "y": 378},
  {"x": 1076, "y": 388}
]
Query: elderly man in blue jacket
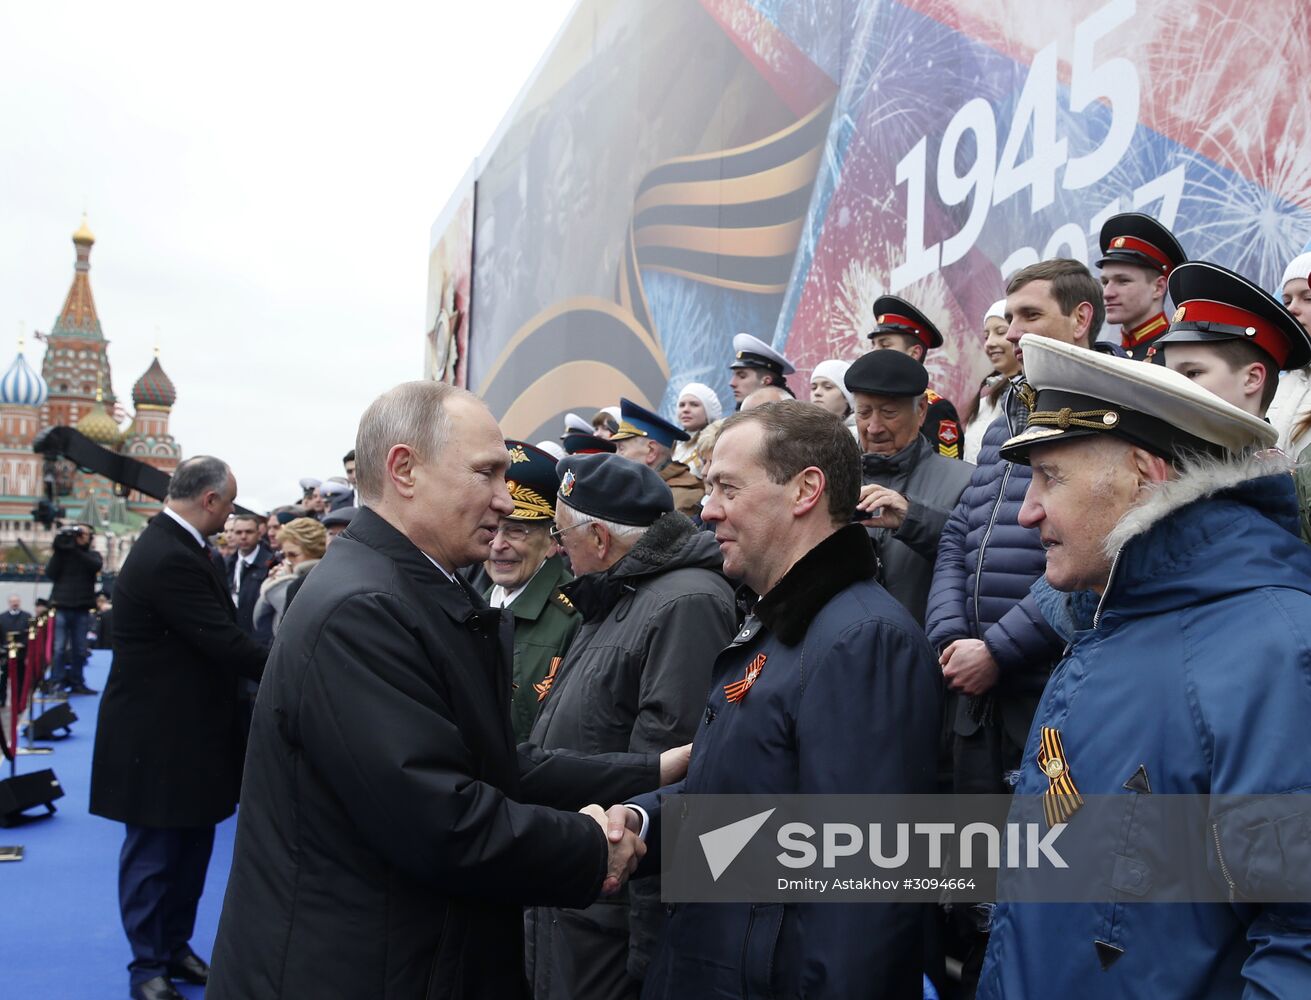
[
  {"x": 1191, "y": 676},
  {"x": 860, "y": 718}
]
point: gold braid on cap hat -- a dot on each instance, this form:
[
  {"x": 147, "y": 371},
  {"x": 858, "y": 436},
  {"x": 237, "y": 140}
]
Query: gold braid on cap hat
[{"x": 1065, "y": 418}]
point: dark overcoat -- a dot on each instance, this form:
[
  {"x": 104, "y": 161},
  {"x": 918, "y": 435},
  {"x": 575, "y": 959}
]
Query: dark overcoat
[
  {"x": 168, "y": 745},
  {"x": 385, "y": 844}
]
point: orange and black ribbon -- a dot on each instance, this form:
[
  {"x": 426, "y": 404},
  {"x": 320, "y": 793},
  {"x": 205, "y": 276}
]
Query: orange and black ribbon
[
  {"x": 1061, "y": 800},
  {"x": 543, "y": 687},
  {"x": 738, "y": 689}
]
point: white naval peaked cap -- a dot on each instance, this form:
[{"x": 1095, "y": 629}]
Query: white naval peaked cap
[
  {"x": 553, "y": 449},
  {"x": 574, "y": 423},
  {"x": 752, "y": 352},
  {"x": 310, "y": 483},
  {"x": 1081, "y": 392},
  {"x": 334, "y": 489}
]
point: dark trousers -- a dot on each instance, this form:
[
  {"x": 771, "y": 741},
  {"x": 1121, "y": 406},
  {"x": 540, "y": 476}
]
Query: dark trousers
[{"x": 161, "y": 874}]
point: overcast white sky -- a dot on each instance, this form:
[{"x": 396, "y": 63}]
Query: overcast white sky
[{"x": 260, "y": 179}]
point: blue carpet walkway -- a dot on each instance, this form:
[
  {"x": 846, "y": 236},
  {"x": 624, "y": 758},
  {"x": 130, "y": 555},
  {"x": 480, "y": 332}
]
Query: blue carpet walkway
[{"x": 60, "y": 935}]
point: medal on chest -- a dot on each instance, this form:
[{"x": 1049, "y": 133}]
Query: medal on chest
[
  {"x": 1061, "y": 800},
  {"x": 738, "y": 689}
]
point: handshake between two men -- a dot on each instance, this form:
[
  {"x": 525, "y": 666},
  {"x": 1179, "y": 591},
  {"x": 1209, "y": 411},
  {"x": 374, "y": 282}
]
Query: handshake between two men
[{"x": 623, "y": 824}]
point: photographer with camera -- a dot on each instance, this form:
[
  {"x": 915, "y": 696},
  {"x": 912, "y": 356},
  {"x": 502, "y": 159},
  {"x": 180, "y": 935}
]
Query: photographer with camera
[{"x": 73, "y": 568}]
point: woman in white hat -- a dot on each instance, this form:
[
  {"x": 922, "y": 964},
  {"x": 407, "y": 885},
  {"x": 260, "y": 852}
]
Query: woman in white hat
[
  {"x": 829, "y": 390},
  {"x": 698, "y": 407},
  {"x": 1001, "y": 353},
  {"x": 1290, "y": 410}
]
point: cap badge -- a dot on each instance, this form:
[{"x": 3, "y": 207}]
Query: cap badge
[
  {"x": 517, "y": 455},
  {"x": 1117, "y": 242},
  {"x": 567, "y": 483},
  {"x": 739, "y": 355},
  {"x": 1179, "y": 315}
]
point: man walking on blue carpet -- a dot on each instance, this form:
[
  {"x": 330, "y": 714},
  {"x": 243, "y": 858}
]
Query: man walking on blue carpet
[{"x": 168, "y": 752}]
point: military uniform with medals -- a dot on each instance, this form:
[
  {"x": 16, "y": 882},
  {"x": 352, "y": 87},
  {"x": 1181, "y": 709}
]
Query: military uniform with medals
[{"x": 544, "y": 619}]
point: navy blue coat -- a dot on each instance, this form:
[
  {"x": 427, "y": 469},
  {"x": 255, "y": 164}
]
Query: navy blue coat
[
  {"x": 986, "y": 564},
  {"x": 1195, "y": 679},
  {"x": 862, "y": 717}
]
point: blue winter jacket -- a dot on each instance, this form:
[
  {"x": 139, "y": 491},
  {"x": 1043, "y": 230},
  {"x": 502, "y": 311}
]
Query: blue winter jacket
[
  {"x": 1197, "y": 672},
  {"x": 986, "y": 564}
]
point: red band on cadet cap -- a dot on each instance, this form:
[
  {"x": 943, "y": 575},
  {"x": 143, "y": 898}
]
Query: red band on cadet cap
[
  {"x": 1265, "y": 336},
  {"x": 1144, "y": 248},
  {"x": 895, "y": 319}
]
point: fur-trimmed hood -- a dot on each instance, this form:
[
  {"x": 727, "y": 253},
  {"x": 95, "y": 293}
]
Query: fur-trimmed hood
[
  {"x": 1220, "y": 528},
  {"x": 1201, "y": 478}
]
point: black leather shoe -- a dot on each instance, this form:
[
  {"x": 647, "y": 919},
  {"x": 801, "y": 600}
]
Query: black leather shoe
[
  {"x": 158, "y": 988},
  {"x": 191, "y": 969},
  {"x": 82, "y": 689}
]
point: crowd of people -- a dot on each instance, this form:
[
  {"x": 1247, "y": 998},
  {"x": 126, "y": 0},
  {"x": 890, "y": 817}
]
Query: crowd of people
[{"x": 463, "y": 677}]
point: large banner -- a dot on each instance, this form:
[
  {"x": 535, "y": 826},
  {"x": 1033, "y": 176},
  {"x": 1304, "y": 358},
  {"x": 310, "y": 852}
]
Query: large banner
[{"x": 680, "y": 171}]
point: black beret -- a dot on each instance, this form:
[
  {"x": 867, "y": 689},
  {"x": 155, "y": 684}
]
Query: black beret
[
  {"x": 613, "y": 489},
  {"x": 887, "y": 373}
]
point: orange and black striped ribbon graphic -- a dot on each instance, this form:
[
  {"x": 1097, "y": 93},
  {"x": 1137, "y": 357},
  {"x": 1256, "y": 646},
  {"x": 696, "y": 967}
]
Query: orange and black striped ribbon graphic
[
  {"x": 731, "y": 219},
  {"x": 738, "y": 689},
  {"x": 543, "y": 687},
  {"x": 1061, "y": 800}
]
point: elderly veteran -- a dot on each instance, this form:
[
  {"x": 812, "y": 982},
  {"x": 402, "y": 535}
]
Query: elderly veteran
[
  {"x": 526, "y": 571},
  {"x": 1189, "y": 676},
  {"x": 909, "y": 490},
  {"x": 829, "y": 687},
  {"x": 648, "y": 439},
  {"x": 656, "y": 611}
]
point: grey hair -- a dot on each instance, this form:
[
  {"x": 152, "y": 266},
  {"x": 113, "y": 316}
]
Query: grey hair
[
  {"x": 413, "y": 414},
  {"x": 623, "y": 532},
  {"x": 197, "y": 476}
]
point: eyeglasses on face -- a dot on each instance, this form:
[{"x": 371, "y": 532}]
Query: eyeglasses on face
[
  {"x": 513, "y": 532},
  {"x": 557, "y": 532}
]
